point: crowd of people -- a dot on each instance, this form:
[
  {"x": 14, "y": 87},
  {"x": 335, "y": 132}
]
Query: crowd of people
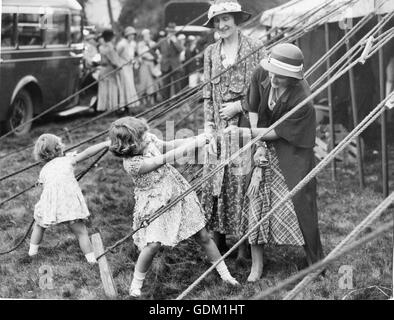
[
  {"x": 259, "y": 90},
  {"x": 150, "y": 71}
]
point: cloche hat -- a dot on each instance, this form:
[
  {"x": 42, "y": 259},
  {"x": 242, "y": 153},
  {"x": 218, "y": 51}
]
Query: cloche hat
[
  {"x": 285, "y": 59},
  {"x": 129, "y": 30},
  {"x": 226, "y": 6}
]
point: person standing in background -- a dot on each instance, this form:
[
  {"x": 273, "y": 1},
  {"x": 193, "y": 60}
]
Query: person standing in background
[
  {"x": 109, "y": 84},
  {"x": 182, "y": 58},
  {"x": 170, "y": 50},
  {"x": 90, "y": 51},
  {"x": 126, "y": 48},
  {"x": 193, "y": 64},
  {"x": 149, "y": 58}
]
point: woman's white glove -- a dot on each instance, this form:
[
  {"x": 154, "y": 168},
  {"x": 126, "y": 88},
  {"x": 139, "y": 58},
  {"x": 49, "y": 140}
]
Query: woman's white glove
[
  {"x": 260, "y": 157},
  {"x": 230, "y": 109},
  {"x": 254, "y": 184}
]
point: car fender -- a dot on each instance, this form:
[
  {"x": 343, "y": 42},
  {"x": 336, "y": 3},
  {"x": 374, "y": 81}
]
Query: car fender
[{"x": 22, "y": 83}]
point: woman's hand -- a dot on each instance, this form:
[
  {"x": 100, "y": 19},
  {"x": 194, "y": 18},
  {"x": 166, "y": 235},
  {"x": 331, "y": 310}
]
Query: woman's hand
[
  {"x": 230, "y": 109},
  {"x": 254, "y": 185},
  {"x": 260, "y": 157}
]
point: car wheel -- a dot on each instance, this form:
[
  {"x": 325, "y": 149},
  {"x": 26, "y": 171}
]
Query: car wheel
[{"x": 21, "y": 112}]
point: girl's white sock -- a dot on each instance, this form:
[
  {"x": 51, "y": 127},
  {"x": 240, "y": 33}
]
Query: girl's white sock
[
  {"x": 136, "y": 284},
  {"x": 225, "y": 274},
  {"x": 90, "y": 257},
  {"x": 33, "y": 250}
]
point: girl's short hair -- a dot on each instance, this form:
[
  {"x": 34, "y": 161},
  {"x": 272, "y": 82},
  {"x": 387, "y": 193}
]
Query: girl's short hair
[
  {"x": 126, "y": 136},
  {"x": 47, "y": 147}
]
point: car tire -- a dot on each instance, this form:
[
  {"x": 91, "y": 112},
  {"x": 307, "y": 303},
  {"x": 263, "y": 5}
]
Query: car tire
[{"x": 21, "y": 112}]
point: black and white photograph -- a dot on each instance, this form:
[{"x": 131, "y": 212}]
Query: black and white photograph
[{"x": 196, "y": 157}]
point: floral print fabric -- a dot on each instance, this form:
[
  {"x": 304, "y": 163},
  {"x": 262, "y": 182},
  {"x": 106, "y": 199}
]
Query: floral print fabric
[
  {"x": 61, "y": 199},
  {"x": 228, "y": 184},
  {"x": 156, "y": 189}
]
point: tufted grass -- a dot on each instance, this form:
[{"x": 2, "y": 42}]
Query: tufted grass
[{"x": 342, "y": 206}]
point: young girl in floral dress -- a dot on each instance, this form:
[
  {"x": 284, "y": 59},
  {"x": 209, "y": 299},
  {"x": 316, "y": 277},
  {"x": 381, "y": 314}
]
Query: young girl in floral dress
[
  {"x": 156, "y": 184},
  {"x": 61, "y": 200}
]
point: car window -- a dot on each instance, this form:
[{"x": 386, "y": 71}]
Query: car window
[
  {"x": 76, "y": 29},
  {"x": 7, "y": 30},
  {"x": 30, "y": 32},
  {"x": 56, "y": 30}
]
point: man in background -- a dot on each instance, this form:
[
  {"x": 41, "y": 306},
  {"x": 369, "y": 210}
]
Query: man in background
[{"x": 170, "y": 50}]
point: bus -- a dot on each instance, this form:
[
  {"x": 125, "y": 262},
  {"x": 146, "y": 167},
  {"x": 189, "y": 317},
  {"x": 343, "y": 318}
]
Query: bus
[{"x": 41, "y": 59}]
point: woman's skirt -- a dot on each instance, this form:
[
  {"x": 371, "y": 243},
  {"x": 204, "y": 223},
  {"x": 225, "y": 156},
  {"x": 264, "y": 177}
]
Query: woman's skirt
[
  {"x": 108, "y": 91},
  {"x": 281, "y": 227}
]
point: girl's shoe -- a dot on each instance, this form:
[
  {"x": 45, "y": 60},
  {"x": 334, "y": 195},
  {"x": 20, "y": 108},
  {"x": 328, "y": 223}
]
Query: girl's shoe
[
  {"x": 231, "y": 280},
  {"x": 253, "y": 278},
  {"x": 135, "y": 293}
]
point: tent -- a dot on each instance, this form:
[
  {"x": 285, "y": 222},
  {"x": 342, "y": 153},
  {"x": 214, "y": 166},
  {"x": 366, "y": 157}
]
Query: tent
[
  {"x": 280, "y": 16},
  {"x": 367, "y": 77},
  {"x": 313, "y": 45}
]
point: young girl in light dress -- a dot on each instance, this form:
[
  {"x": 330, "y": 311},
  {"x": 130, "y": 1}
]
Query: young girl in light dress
[
  {"x": 61, "y": 200},
  {"x": 156, "y": 184}
]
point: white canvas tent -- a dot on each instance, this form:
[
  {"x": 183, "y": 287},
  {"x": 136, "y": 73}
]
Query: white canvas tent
[
  {"x": 282, "y": 16},
  {"x": 368, "y": 79}
]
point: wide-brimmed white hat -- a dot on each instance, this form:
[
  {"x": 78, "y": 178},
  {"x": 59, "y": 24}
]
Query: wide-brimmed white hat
[
  {"x": 285, "y": 59},
  {"x": 226, "y": 6}
]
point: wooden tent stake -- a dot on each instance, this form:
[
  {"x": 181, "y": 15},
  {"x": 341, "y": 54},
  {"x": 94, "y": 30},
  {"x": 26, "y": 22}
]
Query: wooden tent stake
[{"x": 105, "y": 271}]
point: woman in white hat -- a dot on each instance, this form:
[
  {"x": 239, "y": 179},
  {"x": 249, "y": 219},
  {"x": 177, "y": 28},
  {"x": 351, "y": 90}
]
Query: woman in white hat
[
  {"x": 277, "y": 86},
  {"x": 224, "y": 104},
  {"x": 126, "y": 49}
]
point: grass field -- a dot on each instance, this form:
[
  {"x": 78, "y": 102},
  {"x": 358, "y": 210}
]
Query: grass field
[{"x": 342, "y": 205}]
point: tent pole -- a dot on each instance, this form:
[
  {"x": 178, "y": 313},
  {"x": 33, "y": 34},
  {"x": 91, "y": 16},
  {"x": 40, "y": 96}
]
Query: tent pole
[
  {"x": 330, "y": 105},
  {"x": 355, "y": 121},
  {"x": 383, "y": 123}
]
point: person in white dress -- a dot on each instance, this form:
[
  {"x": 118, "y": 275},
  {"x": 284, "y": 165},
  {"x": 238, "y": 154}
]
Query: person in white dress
[
  {"x": 126, "y": 49},
  {"x": 148, "y": 72},
  {"x": 156, "y": 183},
  {"x": 61, "y": 199}
]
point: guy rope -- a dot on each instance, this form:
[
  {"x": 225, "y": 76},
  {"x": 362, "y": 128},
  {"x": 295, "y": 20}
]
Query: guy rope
[
  {"x": 200, "y": 86},
  {"x": 199, "y": 183},
  {"x": 95, "y": 82},
  {"x": 361, "y": 127},
  {"x": 388, "y": 226},
  {"x": 301, "y": 22}
]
